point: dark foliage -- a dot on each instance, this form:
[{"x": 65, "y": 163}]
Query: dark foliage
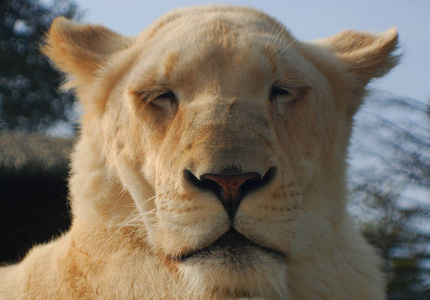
[
  {"x": 33, "y": 191},
  {"x": 29, "y": 86}
]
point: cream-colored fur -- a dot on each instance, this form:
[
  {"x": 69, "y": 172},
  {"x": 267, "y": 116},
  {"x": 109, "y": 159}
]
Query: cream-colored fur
[{"x": 247, "y": 97}]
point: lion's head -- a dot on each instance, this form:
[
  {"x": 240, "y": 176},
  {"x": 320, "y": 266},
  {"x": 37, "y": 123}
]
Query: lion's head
[{"x": 224, "y": 135}]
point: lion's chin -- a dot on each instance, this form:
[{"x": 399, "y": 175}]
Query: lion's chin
[
  {"x": 233, "y": 248},
  {"x": 237, "y": 267}
]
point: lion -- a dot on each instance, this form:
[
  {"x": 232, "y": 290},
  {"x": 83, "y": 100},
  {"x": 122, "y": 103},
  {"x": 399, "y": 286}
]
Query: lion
[{"x": 210, "y": 163}]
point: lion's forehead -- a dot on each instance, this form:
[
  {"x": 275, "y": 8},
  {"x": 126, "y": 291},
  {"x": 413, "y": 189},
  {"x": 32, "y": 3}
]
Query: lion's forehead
[
  {"x": 215, "y": 50},
  {"x": 217, "y": 34},
  {"x": 220, "y": 22}
]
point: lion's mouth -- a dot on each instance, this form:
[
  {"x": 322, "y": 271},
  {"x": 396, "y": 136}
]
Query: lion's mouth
[{"x": 230, "y": 245}]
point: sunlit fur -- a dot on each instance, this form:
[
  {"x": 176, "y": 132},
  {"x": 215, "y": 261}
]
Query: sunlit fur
[{"x": 135, "y": 215}]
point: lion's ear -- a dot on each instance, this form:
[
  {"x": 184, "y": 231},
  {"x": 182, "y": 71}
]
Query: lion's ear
[
  {"x": 80, "y": 50},
  {"x": 365, "y": 55}
]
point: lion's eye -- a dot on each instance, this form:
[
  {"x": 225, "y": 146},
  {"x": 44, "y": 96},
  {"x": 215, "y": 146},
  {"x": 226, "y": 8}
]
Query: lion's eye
[
  {"x": 281, "y": 99},
  {"x": 279, "y": 92},
  {"x": 166, "y": 100}
]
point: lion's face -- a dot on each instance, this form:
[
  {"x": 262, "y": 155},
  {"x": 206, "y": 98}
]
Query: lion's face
[
  {"x": 230, "y": 137},
  {"x": 223, "y": 103}
]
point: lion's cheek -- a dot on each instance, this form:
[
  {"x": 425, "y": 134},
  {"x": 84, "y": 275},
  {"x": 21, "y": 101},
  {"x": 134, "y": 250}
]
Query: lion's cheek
[{"x": 270, "y": 225}]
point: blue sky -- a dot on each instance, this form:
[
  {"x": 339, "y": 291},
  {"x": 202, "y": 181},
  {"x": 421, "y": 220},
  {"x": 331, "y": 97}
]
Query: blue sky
[{"x": 307, "y": 20}]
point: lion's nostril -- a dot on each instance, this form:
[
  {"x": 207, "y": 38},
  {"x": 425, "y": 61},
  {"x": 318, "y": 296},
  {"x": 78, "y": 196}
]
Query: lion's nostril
[{"x": 230, "y": 189}]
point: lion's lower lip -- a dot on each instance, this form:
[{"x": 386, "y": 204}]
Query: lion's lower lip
[{"x": 232, "y": 242}]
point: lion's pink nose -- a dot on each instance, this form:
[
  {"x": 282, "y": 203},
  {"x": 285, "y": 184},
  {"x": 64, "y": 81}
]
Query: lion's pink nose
[{"x": 231, "y": 188}]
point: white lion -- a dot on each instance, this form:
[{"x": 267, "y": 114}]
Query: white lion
[{"x": 210, "y": 164}]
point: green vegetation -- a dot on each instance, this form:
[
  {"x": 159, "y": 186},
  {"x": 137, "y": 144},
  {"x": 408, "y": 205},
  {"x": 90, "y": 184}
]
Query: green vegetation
[{"x": 391, "y": 189}]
